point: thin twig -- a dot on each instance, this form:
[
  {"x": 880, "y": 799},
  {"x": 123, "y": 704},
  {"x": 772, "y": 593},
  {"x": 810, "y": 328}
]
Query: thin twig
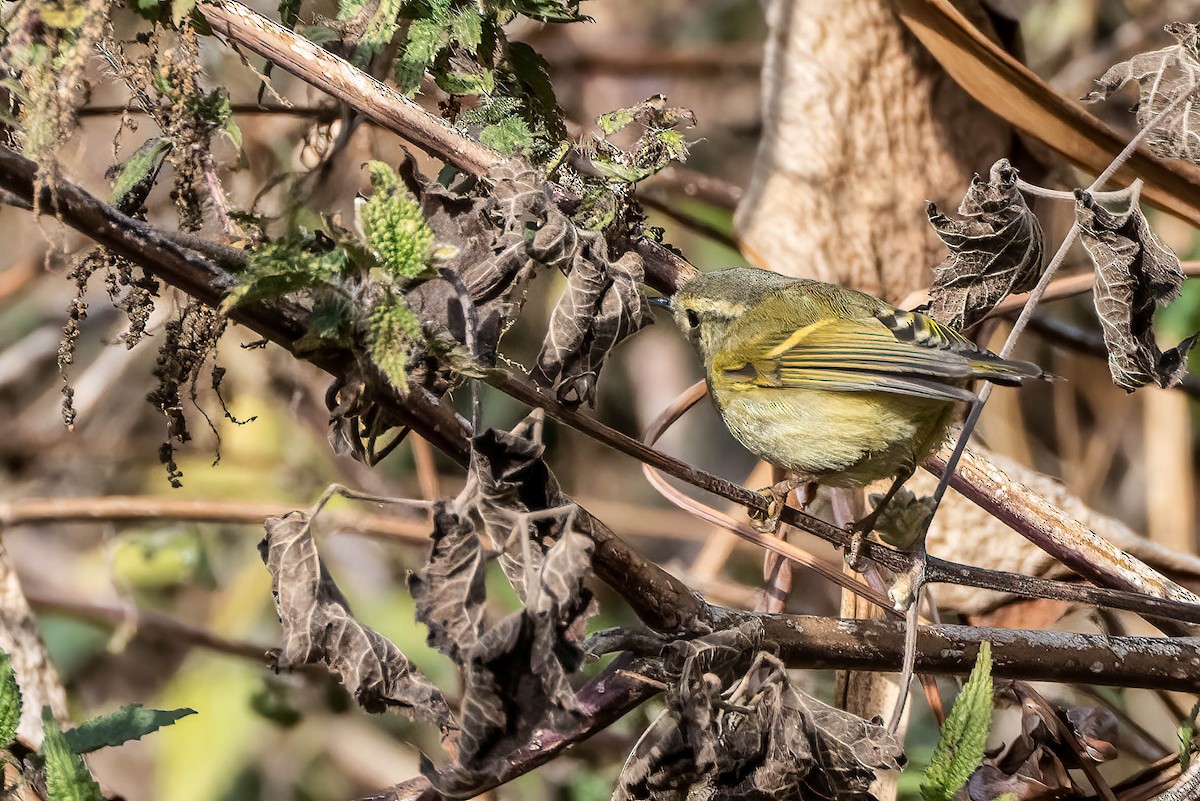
[
  {"x": 137, "y": 508},
  {"x": 145, "y": 621}
]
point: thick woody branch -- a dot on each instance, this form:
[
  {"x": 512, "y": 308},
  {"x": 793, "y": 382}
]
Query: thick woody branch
[{"x": 807, "y": 641}]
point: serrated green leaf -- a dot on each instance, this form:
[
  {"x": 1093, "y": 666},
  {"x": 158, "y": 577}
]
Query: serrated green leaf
[
  {"x": 10, "y": 702},
  {"x": 426, "y": 38},
  {"x": 348, "y": 9},
  {"x": 507, "y": 136},
  {"x": 138, "y": 167},
  {"x": 67, "y": 777},
  {"x": 393, "y": 226},
  {"x": 380, "y": 29},
  {"x": 466, "y": 28},
  {"x": 463, "y": 83},
  {"x": 284, "y": 266},
  {"x": 533, "y": 72},
  {"x": 964, "y": 736},
  {"x": 393, "y": 333},
  {"x": 132, "y": 722}
]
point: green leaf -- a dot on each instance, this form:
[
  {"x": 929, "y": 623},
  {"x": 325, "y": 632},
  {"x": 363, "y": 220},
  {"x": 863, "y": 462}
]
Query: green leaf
[
  {"x": 466, "y": 28},
  {"x": 285, "y": 266},
  {"x": 426, "y": 38},
  {"x": 132, "y": 722},
  {"x": 533, "y": 72},
  {"x": 464, "y": 83},
  {"x": 617, "y": 120},
  {"x": 10, "y": 702},
  {"x": 67, "y": 777},
  {"x": 964, "y": 736},
  {"x": 393, "y": 226},
  {"x": 1187, "y": 737},
  {"x": 551, "y": 10},
  {"x": 145, "y": 161},
  {"x": 508, "y": 136},
  {"x": 393, "y": 334},
  {"x": 381, "y": 27},
  {"x": 289, "y": 13}
]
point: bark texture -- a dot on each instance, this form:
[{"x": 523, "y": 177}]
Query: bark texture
[{"x": 861, "y": 128}]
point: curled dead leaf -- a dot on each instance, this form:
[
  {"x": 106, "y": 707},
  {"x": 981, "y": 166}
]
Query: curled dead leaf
[
  {"x": 1135, "y": 274},
  {"x": 738, "y": 728},
  {"x": 318, "y": 628},
  {"x": 995, "y": 249},
  {"x": 1162, "y": 76}
]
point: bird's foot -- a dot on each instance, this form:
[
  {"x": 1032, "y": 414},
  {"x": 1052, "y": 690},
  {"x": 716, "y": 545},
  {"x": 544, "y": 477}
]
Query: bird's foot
[{"x": 768, "y": 522}]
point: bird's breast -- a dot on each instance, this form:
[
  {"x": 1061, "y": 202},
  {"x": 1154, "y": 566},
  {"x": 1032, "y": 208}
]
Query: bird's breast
[{"x": 841, "y": 438}]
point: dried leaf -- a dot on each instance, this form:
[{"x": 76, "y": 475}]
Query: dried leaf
[
  {"x": 1135, "y": 272},
  {"x": 602, "y": 305},
  {"x": 1032, "y": 766},
  {"x": 1162, "y": 76},
  {"x": 739, "y": 729},
  {"x": 501, "y": 240},
  {"x": 1095, "y": 727},
  {"x": 995, "y": 251},
  {"x": 318, "y": 628},
  {"x": 515, "y": 669}
]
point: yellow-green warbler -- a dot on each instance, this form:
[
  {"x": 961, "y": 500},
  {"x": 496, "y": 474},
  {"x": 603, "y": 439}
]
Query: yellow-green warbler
[{"x": 830, "y": 384}]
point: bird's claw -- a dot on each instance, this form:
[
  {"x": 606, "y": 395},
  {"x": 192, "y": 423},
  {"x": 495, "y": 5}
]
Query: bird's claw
[{"x": 768, "y": 522}]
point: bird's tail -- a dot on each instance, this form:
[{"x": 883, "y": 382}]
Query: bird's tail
[{"x": 1009, "y": 372}]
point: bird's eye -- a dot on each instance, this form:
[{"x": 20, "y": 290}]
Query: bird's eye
[{"x": 693, "y": 318}]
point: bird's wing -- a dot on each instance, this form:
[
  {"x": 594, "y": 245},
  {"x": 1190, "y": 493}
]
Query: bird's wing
[{"x": 906, "y": 353}]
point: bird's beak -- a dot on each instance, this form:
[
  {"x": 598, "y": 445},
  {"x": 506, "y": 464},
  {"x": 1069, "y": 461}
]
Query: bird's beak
[{"x": 662, "y": 302}]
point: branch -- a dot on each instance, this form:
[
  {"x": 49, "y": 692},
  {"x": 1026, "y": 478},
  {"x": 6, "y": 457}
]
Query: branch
[
  {"x": 145, "y": 621},
  {"x": 134, "y": 508}
]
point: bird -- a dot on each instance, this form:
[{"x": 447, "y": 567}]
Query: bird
[{"x": 831, "y": 385}]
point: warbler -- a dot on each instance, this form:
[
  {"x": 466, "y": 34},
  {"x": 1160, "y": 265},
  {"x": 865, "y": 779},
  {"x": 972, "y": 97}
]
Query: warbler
[{"x": 832, "y": 385}]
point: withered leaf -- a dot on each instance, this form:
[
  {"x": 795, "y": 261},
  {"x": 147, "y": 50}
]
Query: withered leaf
[
  {"x": 1032, "y": 766},
  {"x": 738, "y": 728},
  {"x": 1162, "y": 76},
  {"x": 1135, "y": 272},
  {"x": 995, "y": 250},
  {"x": 449, "y": 591},
  {"x": 515, "y": 669},
  {"x": 503, "y": 236},
  {"x": 318, "y": 628},
  {"x": 603, "y": 304},
  {"x": 1095, "y": 727}
]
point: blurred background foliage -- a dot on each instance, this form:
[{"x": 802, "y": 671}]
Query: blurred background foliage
[{"x": 259, "y": 735}]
